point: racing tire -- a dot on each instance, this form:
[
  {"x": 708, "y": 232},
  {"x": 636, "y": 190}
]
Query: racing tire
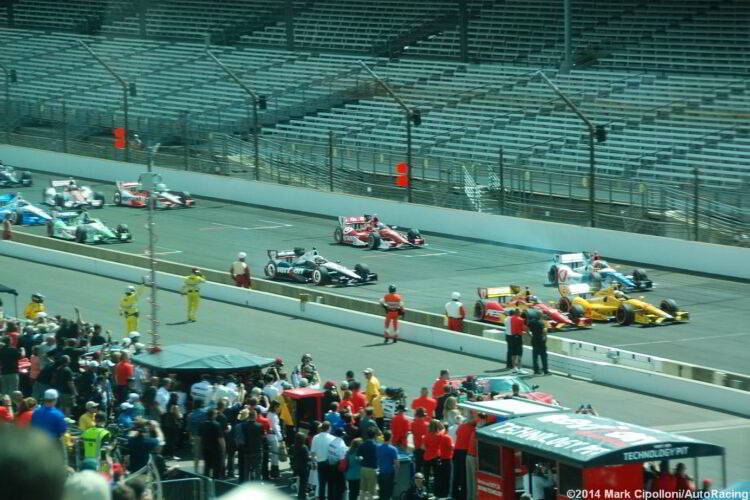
[
  {"x": 362, "y": 270},
  {"x": 99, "y": 197},
  {"x": 320, "y": 276},
  {"x": 26, "y": 179},
  {"x": 338, "y": 236},
  {"x": 639, "y": 275},
  {"x": 625, "y": 314},
  {"x": 16, "y": 217},
  {"x": 564, "y": 305},
  {"x": 373, "y": 241},
  {"x": 552, "y": 275},
  {"x": 124, "y": 229},
  {"x": 413, "y": 235},
  {"x": 59, "y": 200},
  {"x": 117, "y": 198},
  {"x": 81, "y": 234},
  {"x": 50, "y": 229},
  {"x": 669, "y": 306},
  {"x": 271, "y": 270},
  {"x": 576, "y": 312},
  {"x": 479, "y": 311}
]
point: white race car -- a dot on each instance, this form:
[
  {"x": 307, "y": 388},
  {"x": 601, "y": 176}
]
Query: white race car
[
  {"x": 588, "y": 268},
  {"x": 68, "y": 194}
]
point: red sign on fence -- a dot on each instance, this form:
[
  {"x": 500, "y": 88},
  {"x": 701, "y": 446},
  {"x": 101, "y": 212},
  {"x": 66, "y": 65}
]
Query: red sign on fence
[
  {"x": 119, "y": 134},
  {"x": 403, "y": 175}
]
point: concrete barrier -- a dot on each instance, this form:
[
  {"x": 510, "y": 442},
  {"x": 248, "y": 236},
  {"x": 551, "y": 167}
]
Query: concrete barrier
[
  {"x": 660, "y": 385},
  {"x": 650, "y": 250}
]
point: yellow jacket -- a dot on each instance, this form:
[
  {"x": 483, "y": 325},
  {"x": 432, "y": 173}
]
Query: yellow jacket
[
  {"x": 129, "y": 303},
  {"x": 192, "y": 283},
  {"x": 373, "y": 389},
  {"x": 33, "y": 309}
]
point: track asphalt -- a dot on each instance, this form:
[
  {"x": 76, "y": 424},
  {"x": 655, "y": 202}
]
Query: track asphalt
[{"x": 211, "y": 234}]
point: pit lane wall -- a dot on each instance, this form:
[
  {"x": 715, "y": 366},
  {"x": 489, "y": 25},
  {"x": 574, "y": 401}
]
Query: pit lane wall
[
  {"x": 649, "y": 250},
  {"x": 310, "y": 306}
]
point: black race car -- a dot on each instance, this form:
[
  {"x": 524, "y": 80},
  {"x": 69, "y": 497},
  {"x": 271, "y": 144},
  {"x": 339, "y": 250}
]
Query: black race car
[
  {"x": 10, "y": 177},
  {"x": 310, "y": 267}
]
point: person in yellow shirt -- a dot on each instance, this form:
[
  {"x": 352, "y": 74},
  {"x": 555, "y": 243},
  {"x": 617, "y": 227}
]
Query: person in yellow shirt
[
  {"x": 191, "y": 289},
  {"x": 88, "y": 419},
  {"x": 373, "y": 386},
  {"x": 129, "y": 308},
  {"x": 34, "y": 307}
]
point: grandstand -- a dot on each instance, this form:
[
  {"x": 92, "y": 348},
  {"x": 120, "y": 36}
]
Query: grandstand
[{"x": 670, "y": 79}]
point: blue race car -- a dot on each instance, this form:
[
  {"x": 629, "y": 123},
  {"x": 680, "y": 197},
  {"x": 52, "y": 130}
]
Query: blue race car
[
  {"x": 20, "y": 211},
  {"x": 631, "y": 282}
]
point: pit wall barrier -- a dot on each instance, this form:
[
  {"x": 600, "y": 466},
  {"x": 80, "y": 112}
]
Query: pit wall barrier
[
  {"x": 660, "y": 385},
  {"x": 646, "y": 249}
]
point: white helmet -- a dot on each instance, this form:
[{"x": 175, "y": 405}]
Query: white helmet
[
  {"x": 129, "y": 290},
  {"x": 455, "y": 296},
  {"x": 134, "y": 335},
  {"x": 241, "y": 255}
]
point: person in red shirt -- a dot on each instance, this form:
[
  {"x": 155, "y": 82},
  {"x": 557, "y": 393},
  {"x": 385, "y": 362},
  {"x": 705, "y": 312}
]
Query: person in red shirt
[
  {"x": 6, "y": 410},
  {"x": 665, "y": 481},
  {"x": 418, "y": 430},
  {"x": 400, "y": 428},
  {"x": 358, "y": 399},
  {"x": 517, "y": 329},
  {"x": 123, "y": 371},
  {"x": 460, "y": 450},
  {"x": 471, "y": 457},
  {"x": 23, "y": 419},
  {"x": 346, "y": 402},
  {"x": 443, "y": 476},
  {"x": 683, "y": 481},
  {"x": 439, "y": 385},
  {"x": 431, "y": 446},
  {"x": 426, "y": 402}
]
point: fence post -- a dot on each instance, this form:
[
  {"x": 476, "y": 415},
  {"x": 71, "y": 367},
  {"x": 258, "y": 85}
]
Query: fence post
[
  {"x": 64, "y": 127},
  {"x": 502, "y": 181},
  {"x": 695, "y": 205},
  {"x": 330, "y": 160},
  {"x": 186, "y": 139}
]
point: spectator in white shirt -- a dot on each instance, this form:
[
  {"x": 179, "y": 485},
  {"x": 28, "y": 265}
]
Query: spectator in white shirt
[
  {"x": 319, "y": 451},
  {"x": 201, "y": 391},
  {"x": 162, "y": 394},
  {"x": 337, "y": 452},
  {"x": 540, "y": 480}
]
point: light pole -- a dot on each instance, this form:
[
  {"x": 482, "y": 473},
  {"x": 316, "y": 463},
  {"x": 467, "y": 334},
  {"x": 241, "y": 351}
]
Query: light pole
[
  {"x": 148, "y": 182},
  {"x": 124, "y": 94},
  {"x": 412, "y": 115},
  {"x": 10, "y": 76},
  {"x": 259, "y": 101},
  {"x": 593, "y": 132}
]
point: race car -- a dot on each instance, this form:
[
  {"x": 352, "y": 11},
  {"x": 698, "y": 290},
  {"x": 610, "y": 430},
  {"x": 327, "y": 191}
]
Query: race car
[
  {"x": 10, "y": 177},
  {"x": 588, "y": 268},
  {"x": 20, "y": 211},
  {"x": 612, "y": 303},
  {"x": 133, "y": 195},
  {"x": 502, "y": 385},
  {"x": 368, "y": 231},
  {"x": 495, "y": 304},
  {"x": 311, "y": 267},
  {"x": 68, "y": 194},
  {"x": 83, "y": 228}
]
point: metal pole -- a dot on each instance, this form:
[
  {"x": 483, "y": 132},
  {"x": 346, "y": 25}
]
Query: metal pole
[
  {"x": 256, "y": 153},
  {"x": 502, "y": 182},
  {"x": 408, "y": 157},
  {"x": 151, "y": 252},
  {"x": 463, "y": 16},
  {"x": 568, "y": 31},
  {"x": 7, "y": 103},
  {"x": 186, "y": 140},
  {"x": 695, "y": 206},
  {"x": 64, "y": 127},
  {"x": 330, "y": 159},
  {"x": 592, "y": 133}
]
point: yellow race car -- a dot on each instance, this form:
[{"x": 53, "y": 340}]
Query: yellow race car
[{"x": 611, "y": 303}]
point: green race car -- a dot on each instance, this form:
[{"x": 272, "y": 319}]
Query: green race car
[{"x": 83, "y": 228}]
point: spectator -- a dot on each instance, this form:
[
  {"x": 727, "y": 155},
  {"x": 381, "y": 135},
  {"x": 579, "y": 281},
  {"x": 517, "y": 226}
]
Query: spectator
[
  {"x": 172, "y": 426},
  {"x": 330, "y": 394},
  {"x": 36, "y": 365},
  {"x": 6, "y": 409},
  {"x": 138, "y": 409},
  {"x": 123, "y": 492},
  {"x": 460, "y": 451},
  {"x": 32, "y": 466},
  {"x": 354, "y": 468},
  {"x": 538, "y": 346},
  {"x": 349, "y": 378},
  {"x": 684, "y": 483},
  {"x": 426, "y": 402},
  {"x": 387, "y": 456},
  {"x": 23, "y": 419},
  {"x": 96, "y": 439},
  {"x": 368, "y": 421},
  {"x": 419, "y": 428},
  {"x": 534, "y": 485},
  {"x": 368, "y": 475},
  {"x": 319, "y": 451},
  {"x": 440, "y": 405},
  {"x": 86, "y": 485},
  {"x": 252, "y": 434},
  {"x": 455, "y": 312},
  {"x": 195, "y": 419},
  {"x": 333, "y": 416},
  {"x": 431, "y": 446},
  {"x": 201, "y": 391},
  {"x": 517, "y": 330},
  {"x": 301, "y": 465},
  {"x": 274, "y": 437},
  {"x": 123, "y": 371},
  {"x": 665, "y": 482},
  {"x": 48, "y": 418},
  {"x": 9, "y": 357},
  {"x": 439, "y": 385},
  {"x": 48, "y": 346},
  {"x": 126, "y": 420},
  {"x": 213, "y": 446},
  {"x": 358, "y": 399},
  {"x": 471, "y": 459},
  {"x": 400, "y": 428},
  {"x": 65, "y": 386},
  {"x": 336, "y": 453},
  {"x": 515, "y": 392},
  {"x": 87, "y": 420},
  {"x": 346, "y": 402},
  {"x": 141, "y": 445},
  {"x": 162, "y": 394},
  {"x": 443, "y": 481},
  {"x": 372, "y": 389},
  {"x": 508, "y": 341},
  {"x": 418, "y": 490},
  {"x": 97, "y": 338}
]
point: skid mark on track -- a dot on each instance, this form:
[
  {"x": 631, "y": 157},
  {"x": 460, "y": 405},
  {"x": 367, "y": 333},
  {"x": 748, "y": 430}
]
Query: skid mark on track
[{"x": 215, "y": 226}]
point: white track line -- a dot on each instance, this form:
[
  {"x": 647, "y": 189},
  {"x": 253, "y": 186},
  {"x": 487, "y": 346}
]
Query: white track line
[
  {"x": 683, "y": 340},
  {"x": 242, "y": 228}
]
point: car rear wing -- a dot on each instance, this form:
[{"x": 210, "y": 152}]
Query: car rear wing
[
  {"x": 570, "y": 258},
  {"x": 281, "y": 254},
  {"x": 347, "y": 221},
  {"x": 64, "y": 215},
  {"x": 126, "y": 184},
  {"x": 498, "y": 291},
  {"x": 574, "y": 289},
  {"x": 65, "y": 183}
]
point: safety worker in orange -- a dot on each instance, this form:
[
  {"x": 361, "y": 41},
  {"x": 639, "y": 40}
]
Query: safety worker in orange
[
  {"x": 456, "y": 312},
  {"x": 394, "y": 308},
  {"x": 129, "y": 308},
  {"x": 240, "y": 271},
  {"x": 35, "y": 307},
  {"x": 191, "y": 289}
]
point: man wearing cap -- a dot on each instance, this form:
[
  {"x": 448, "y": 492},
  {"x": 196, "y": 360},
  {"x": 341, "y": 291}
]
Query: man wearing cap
[
  {"x": 240, "y": 271},
  {"x": 129, "y": 307},
  {"x": 87, "y": 420},
  {"x": 48, "y": 418},
  {"x": 126, "y": 420},
  {"x": 456, "y": 312},
  {"x": 138, "y": 409},
  {"x": 372, "y": 390},
  {"x": 191, "y": 289}
]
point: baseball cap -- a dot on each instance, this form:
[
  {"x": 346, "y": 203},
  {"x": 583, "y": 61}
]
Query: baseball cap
[
  {"x": 367, "y": 370},
  {"x": 126, "y": 406},
  {"x": 41, "y": 315},
  {"x": 133, "y": 397},
  {"x": 50, "y": 395},
  {"x": 91, "y": 404}
]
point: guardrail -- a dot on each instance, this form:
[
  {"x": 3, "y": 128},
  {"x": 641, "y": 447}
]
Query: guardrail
[{"x": 573, "y": 350}]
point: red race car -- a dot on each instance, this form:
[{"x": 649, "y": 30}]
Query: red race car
[
  {"x": 368, "y": 231},
  {"x": 495, "y": 303},
  {"x": 483, "y": 386},
  {"x": 132, "y": 195}
]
